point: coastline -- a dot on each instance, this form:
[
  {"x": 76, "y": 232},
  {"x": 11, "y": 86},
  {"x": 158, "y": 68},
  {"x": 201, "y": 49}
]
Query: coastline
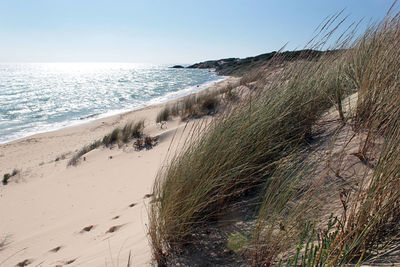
[
  {"x": 92, "y": 117},
  {"x": 52, "y": 203}
]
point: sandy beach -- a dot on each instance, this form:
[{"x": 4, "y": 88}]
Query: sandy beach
[{"x": 92, "y": 214}]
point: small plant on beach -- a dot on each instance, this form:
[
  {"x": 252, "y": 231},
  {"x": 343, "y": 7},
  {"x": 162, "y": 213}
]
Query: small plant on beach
[
  {"x": 132, "y": 130},
  {"x": 7, "y": 176},
  {"x": 138, "y": 144},
  {"x": 61, "y": 157},
  {"x": 111, "y": 138},
  {"x": 163, "y": 115},
  {"x": 147, "y": 142},
  {"x": 84, "y": 150}
]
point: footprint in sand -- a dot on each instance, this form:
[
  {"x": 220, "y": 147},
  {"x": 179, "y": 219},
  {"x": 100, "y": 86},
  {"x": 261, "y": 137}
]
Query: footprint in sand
[
  {"x": 70, "y": 261},
  {"x": 24, "y": 263},
  {"x": 132, "y": 205},
  {"x": 56, "y": 249},
  {"x": 116, "y": 217},
  {"x": 114, "y": 228},
  {"x": 66, "y": 262},
  {"x": 148, "y": 195},
  {"x": 87, "y": 229}
]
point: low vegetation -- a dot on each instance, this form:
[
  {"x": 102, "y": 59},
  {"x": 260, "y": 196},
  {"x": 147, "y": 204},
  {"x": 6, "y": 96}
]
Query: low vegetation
[
  {"x": 118, "y": 135},
  {"x": 198, "y": 105},
  {"x": 163, "y": 115},
  {"x": 8, "y": 176},
  {"x": 269, "y": 145},
  {"x": 86, "y": 149},
  {"x": 146, "y": 142}
]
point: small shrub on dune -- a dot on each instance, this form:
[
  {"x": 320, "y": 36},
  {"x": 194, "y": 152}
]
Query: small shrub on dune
[
  {"x": 147, "y": 142},
  {"x": 7, "y": 176},
  {"x": 132, "y": 130},
  {"x": 138, "y": 144}
]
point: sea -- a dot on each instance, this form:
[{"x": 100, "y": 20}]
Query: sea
[{"x": 41, "y": 97}]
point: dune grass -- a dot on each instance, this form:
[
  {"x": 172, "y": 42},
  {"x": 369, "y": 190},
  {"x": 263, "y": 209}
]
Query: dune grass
[
  {"x": 370, "y": 214},
  {"x": 84, "y": 150},
  {"x": 194, "y": 106},
  {"x": 163, "y": 115},
  {"x": 261, "y": 143},
  {"x": 123, "y": 135},
  {"x": 237, "y": 153}
]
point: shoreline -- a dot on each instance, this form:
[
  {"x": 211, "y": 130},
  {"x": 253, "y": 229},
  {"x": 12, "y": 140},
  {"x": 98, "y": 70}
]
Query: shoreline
[
  {"x": 47, "y": 205},
  {"x": 93, "y": 117},
  {"x": 100, "y": 126}
]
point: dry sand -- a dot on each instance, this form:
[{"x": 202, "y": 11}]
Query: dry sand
[{"x": 44, "y": 209}]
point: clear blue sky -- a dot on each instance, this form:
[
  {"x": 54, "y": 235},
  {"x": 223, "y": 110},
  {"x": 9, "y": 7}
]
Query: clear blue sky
[{"x": 163, "y": 31}]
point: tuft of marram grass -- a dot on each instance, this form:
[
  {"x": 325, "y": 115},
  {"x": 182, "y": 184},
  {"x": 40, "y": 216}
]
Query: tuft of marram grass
[
  {"x": 163, "y": 115},
  {"x": 132, "y": 130}
]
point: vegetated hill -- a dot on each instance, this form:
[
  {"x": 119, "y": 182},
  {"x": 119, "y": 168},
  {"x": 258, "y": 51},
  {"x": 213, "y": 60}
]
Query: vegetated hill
[{"x": 237, "y": 66}]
